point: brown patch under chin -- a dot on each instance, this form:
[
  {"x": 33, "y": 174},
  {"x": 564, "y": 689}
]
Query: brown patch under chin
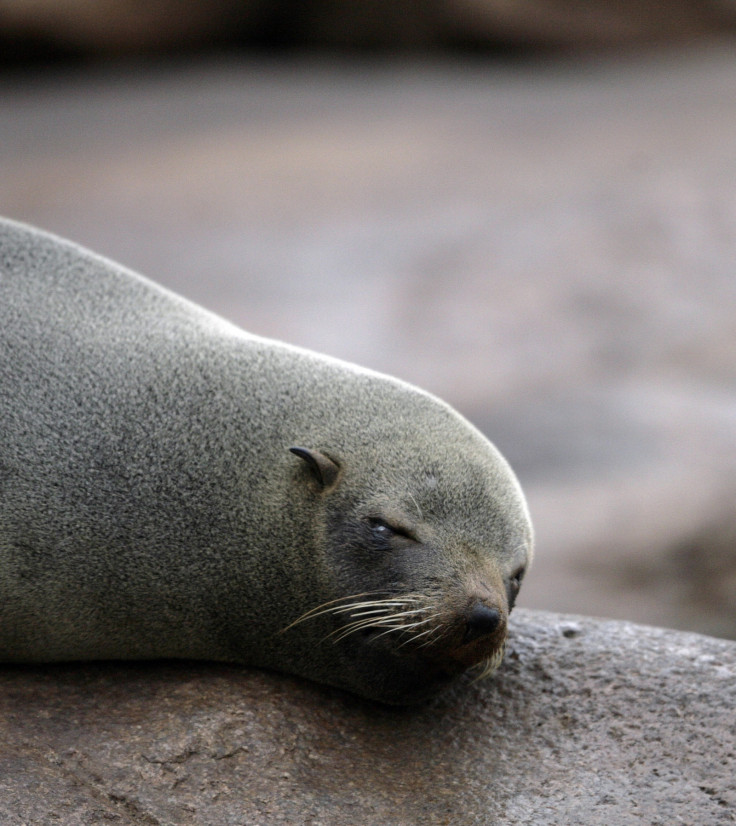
[{"x": 450, "y": 651}]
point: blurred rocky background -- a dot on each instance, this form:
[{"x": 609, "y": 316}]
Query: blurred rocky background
[
  {"x": 134, "y": 26},
  {"x": 526, "y": 207}
]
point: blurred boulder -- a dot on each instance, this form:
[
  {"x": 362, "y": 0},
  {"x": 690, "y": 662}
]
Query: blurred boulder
[
  {"x": 83, "y": 26},
  {"x": 541, "y": 24},
  {"x": 698, "y": 573},
  {"x": 706, "y": 564},
  {"x": 118, "y": 26},
  {"x": 585, "y": 23}
]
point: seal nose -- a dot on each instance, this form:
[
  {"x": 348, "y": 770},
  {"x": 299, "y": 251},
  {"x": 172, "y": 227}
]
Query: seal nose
[{"x": 481, "y": 621}]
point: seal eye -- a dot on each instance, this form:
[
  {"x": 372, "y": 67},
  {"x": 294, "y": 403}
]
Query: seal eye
[
  {"x": 517, "y": 578},
  {"x": 512, "y": 589},
  {"x": 383, "y": 533}
]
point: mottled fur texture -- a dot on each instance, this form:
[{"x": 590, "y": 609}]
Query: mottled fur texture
[{"x": 150, "y": 505}]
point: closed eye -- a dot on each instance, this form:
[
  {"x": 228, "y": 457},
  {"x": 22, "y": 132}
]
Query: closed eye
[
  {"x": 384, "y": 531},
  {"x": 513, "y": 587}
]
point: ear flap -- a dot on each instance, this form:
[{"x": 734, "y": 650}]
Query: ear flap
[{"x": 323, "y": 468}]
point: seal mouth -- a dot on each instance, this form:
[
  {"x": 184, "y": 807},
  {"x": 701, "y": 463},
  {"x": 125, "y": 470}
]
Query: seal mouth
[
  {"x": 413, "y": 627},
  {"x": 483, "y": 655}
]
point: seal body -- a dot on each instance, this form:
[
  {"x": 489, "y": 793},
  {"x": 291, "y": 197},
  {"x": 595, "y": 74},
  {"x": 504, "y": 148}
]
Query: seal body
[{"x": 171, "y": 486}]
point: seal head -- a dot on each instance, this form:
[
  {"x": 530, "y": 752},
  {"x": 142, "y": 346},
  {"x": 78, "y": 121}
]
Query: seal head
[{"x": 427, "y": 546}]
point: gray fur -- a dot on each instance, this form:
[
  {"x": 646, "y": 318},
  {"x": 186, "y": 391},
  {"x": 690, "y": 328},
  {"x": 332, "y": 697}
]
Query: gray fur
[{"x": 150, "y": 505}]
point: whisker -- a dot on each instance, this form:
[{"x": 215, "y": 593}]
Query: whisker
[
  {"x": 380, "y": 610},
  {"x": 343, "y": 609},
  {"x": 380, "y": 621},
  {"x": 392, "y": 614},
  {"x": 413, "y": 616},
  {"x": 325, "y": 608},
  {"x": 431, "y": 631},
  {"x": 408, "y": 627},
  {"x": 401, "y": 628},
  {"x": 419, "y": 510},
  {"x": 340, "y": 633},
  {"x": 339, "y": 605},
  {"x": 368, "y": 613},
  {"x": 434, "y": 637},
  {"x": 488, "y": 666},
  {"x": 390, "y": 622}
]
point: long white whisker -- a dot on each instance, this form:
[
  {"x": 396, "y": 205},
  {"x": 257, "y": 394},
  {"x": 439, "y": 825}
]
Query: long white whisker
[
  {"x": 368, "y": 613},
  {"x": 434, "y": 637},
  {"x": 388, "y": 603},
  {"x": 381, "y": 612},
  {"x": 415, "y": 637},
  {"x": 399, "y": 626},
  {"x": 346, "y": 631},
  {"x": 491, "y": 664},
  {"x": 413, "y": 617},
  {"x": 404, "y": 627},
  {"x": 327, "y": 608},
  {"x": 389, "y": 623},
  {"x": 419, "y": 510}
]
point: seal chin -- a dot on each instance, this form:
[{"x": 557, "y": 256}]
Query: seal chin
[
  {"x": 398, "y": 676},
  {"x": 449, "y": 656},
  {"x": 484, "y": 658}
]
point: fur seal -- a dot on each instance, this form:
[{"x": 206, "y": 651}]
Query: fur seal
[{"x": 171, "y": 486}]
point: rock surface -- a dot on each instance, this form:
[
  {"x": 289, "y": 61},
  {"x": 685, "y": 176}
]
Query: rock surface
[{"x": 588, "y": 723}]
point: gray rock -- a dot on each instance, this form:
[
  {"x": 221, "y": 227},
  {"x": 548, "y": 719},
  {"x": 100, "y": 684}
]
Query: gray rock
[{"x": 587, "y": 723}]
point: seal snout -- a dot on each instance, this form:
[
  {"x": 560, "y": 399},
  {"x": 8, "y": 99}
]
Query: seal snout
[
  {"x": 479, "y": 635},
  {"x": 481, "y": 620}
]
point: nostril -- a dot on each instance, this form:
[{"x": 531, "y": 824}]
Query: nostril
[{"x": 480, "y": 621}]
